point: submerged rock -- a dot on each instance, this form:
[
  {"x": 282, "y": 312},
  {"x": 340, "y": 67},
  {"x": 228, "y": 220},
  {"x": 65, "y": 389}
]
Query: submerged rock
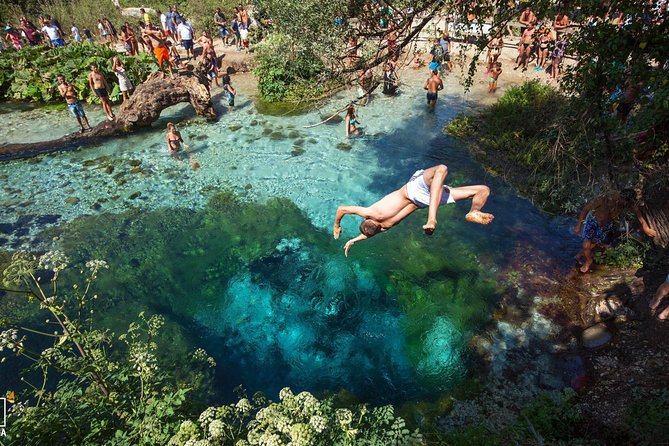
[
  {"x": 297, "y": 151},
  {"x": 137, "y": 170},
  {"x": 134, "y": 163},
  {"x": 135, "y": 195},
  {"x": 109, "y": 169},
  {"x": 248, "y": 186},
  {"x": 596, "y": 336},
  {"x": 277, "y": 136},
  {"x": 298, "y": 143},
  {"x": 234, "y": 127},
  {"x": 72, "y": 200},
  {"x": 344, "y": 146},
  {"x": 88, "y": 163}
]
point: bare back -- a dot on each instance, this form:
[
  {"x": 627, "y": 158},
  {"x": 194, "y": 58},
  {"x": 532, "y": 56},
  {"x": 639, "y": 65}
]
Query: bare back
[{"x": 434, "y": 84}]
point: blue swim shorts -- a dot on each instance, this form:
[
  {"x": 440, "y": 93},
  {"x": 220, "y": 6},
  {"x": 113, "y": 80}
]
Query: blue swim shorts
[{"x": 77, "y": 110}]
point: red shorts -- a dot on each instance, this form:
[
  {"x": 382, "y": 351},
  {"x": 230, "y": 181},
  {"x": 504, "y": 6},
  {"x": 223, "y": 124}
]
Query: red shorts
[{"x": 162, "y": 54}]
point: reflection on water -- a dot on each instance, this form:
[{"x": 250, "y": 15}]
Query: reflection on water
[{"x": 258, "y": 281}]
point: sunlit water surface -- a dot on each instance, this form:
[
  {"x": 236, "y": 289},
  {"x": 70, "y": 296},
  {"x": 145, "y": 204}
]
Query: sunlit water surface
[{"x": 239, "y": 254}]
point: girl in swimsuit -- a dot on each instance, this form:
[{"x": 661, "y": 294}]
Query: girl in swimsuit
[
  {"x": 351, "y": 122},
  {"x": 174, "y": 140},
  {"x": 544, "y": 39}
]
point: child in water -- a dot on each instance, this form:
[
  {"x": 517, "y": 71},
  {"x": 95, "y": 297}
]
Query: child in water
[
  {"x": 493, "y": 76},
  {"x": 230, "y": 92}
]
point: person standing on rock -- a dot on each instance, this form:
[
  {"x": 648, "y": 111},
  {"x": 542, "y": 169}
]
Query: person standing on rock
[
  {"x": 98, "y": 84},
  {"x": 69, "y": 92},
  {"x": 123, "y": 80},
  {"x": 186, "y": 34},
  {"x": 221, "y": 22},
  {"x": 597, "y": 220},
  {"x": 433, "y": 84},
  {"x": 160, "y": 49}
]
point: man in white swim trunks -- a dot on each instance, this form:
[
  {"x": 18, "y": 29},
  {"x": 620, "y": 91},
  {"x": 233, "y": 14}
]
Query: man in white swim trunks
[{"x": 425, "y": 189}]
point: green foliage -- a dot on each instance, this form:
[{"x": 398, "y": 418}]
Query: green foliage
[
  {"x": 96, "y": 388},
  {"x": 647, "y": 419},
  {"x": 544, "y": 420},
  {"x": 285, "y": 71},
  {"x": 299, "y": 420},
  {"x": 84, "y": 13},
  {"x": 629, "y": 253},
  {"x": 30, "y": 74},
  {"x": 461, "y": 126}
]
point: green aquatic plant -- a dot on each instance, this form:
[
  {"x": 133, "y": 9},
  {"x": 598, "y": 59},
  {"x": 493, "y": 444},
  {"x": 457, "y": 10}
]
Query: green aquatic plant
[
  {"x": 30, "y": 74},
  {"x": 461, "y": 126}
]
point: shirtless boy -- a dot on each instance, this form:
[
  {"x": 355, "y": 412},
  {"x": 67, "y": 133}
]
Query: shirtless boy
[
  {"x": 98, "y": 84},
  {"x": 69, "y": 92},
  {"x": 425, "y": 189},
  {"x": 597, "y": 219},
  {"x": 433, "y": 84}
]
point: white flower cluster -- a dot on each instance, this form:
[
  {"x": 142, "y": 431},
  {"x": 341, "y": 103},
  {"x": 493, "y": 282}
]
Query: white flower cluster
[
  {"x": 144, "y": 362},
  {"x": 207, "y": 416},
  {"x": 318, "y": 423},
  {"x": 48, "y": 302},
  {"x": 308, "y": 404},
  {"x": 23, "y": 264},
  {"x": 96, "y": 265},
  {"x": 301, "y": 434},
  {"x": 201, "y": 355},
  {"x": 9, "y": 339},
  {"x": 285, "y": 393},
  {"x": 217, "y": 429},
  {"x": 55, "y": 261},
  {"x": 244, "y": 406},
  {"x": 344, "y": 416}
]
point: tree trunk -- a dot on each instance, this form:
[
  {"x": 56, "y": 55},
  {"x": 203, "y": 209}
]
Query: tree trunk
[{"x": 149, "y": 99}]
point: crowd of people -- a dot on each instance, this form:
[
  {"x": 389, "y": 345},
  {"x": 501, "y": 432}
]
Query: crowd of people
[{"x": 159, "y": 35}]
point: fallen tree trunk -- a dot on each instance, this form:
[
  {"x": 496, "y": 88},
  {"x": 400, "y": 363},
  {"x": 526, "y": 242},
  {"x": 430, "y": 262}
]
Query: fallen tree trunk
[{"x": 150, "y": 98}]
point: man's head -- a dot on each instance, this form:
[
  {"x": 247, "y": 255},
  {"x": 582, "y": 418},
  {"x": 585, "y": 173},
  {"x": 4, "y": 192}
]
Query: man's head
[
  {"x": 60, "y": 80},
  {"x": 142, "y": 10},
  {"x": 435, "y": 72},
  {"x": 94, "y": 67},
  {"x": 370, "y": 227},
  {"x": 218, "y": 10}
]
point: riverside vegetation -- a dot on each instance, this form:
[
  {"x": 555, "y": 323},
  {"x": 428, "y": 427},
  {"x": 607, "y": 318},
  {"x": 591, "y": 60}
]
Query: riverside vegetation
[{"x": 30, "y": 74}]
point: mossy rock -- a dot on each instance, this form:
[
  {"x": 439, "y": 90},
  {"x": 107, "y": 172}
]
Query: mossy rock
[
  {"x": 346, "y": 147},
  {"x": 297, "y": 151}
]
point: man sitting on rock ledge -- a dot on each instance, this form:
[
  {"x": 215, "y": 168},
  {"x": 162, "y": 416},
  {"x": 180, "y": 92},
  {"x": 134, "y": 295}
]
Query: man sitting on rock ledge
[{"x": 425, "y": 188}]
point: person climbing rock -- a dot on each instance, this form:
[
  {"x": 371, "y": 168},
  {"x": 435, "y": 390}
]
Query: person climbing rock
[{"x": 425, "y": 188}]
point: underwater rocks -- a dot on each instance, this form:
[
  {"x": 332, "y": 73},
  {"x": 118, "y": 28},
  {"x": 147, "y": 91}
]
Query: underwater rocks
[
  {"x": 344, "y": 146},
  {"x": 596, "y": 336},
  {"x": 72, "y": 200}
]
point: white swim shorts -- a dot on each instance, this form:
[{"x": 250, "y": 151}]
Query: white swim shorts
[{"x": 419, "y": 193}]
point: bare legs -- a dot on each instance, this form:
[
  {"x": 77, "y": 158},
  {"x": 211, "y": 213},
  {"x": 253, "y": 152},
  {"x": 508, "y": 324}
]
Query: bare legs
[
  {"x": 434, "y": 178},
  {"x": 586, "y": 252},
  {"x": 106, "y": 106},
  {"x": 660, "y": 294}
]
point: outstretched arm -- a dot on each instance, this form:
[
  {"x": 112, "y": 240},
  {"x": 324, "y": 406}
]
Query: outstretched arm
[
  {"x": 650, "y": 232},
  {"x": 351, "y": 242},
  {"x": 587, "y": 208},
  {"x": 343, "y": 210}
]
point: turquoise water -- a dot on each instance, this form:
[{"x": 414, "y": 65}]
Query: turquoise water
[{"x": 239, "y": 254}]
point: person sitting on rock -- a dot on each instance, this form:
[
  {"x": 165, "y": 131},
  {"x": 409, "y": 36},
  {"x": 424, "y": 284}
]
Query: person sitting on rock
[
  {"x": 596, "y": 221},
  {"x": 425, "y": 188}
]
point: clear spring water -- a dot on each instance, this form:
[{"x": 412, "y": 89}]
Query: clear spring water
[{"x": 239, "y": 254}]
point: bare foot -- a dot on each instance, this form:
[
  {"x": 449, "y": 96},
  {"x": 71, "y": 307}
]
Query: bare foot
[
  {"x": 586, "y": 267},
  {"x": 430, "y": 227},
  {"x": 479, "y": 217}
]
